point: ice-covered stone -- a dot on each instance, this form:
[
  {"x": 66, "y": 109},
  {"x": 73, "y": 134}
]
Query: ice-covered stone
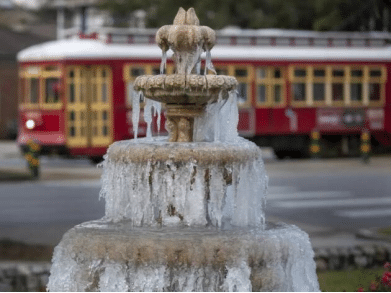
[
  {"x": 157, "y": 183},
  {"x": 118, "y": 257}
]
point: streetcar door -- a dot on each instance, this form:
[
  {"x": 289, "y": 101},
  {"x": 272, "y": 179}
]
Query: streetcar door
[
  {"x": 89, "y": 106},
  {"x": 101, "y": 107},
  {"x": 77, "y": 106}
]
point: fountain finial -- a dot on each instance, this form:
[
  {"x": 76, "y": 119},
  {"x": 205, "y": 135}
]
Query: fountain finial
[{"x": 185, "y": 93}]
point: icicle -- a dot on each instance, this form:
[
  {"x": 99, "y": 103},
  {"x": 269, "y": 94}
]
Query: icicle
[
  {"x": 148, "y": 116},
  {"x": 198, "y": 68},
  {"x": 217, "y": 127},
  {"x": 136, "y": 97},
  {"x": 208, "y": 63},
  {"x": 229, "y": 118},
  {"x": 163, "y": 63},
  {"x": 157, "y": 106}
]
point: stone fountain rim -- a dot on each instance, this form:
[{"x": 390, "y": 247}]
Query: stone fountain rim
[
  {"x": 141, "y": 151},
  {"x": 184, "y": 89}
]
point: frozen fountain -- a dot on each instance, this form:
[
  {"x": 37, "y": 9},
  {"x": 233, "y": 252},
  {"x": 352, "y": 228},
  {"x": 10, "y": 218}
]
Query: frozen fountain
[{"x": 185, "y": 213}]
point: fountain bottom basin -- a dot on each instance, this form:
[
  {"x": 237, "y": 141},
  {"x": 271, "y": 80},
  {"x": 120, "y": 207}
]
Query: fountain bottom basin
[{"x": 105, "y": 256}]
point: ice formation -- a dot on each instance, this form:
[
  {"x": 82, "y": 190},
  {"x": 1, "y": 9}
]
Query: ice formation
[
  {"x": 102, "y": 256},
  {"x": 185, "y": 215},
  {"x": 153, "y": 192}
]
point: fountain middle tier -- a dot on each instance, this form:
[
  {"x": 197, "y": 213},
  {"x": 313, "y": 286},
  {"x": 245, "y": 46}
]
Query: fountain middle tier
[{"x": 157, "y": 183}]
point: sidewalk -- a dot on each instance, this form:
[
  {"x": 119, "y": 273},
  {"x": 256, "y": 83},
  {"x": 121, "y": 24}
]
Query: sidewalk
[{"x": 11, "y": 160}]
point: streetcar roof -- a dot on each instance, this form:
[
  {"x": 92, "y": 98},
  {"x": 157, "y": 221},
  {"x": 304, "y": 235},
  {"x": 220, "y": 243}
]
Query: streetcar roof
[{"x": 91, "y": 49}]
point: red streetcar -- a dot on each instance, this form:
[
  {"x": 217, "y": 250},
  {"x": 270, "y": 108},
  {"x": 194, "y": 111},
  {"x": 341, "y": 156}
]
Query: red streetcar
[{"x": 75, "y": 93}]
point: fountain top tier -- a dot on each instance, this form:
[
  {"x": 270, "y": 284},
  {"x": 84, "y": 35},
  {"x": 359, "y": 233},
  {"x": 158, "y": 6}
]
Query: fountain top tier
[{"x": 185, "y": 93}]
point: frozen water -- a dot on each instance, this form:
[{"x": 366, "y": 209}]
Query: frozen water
[
  {"x": 121, "y": 258},
  {"x": 163, "y": 63},
  {"x": 184, "y": 216},
  {"x": 166, "y": 192},
  {"x": 151, "y": 108},
  {"x": 219, "y": 121},
  {"x": 136, "y": 98},
  {"x": 208, "y": 63}
]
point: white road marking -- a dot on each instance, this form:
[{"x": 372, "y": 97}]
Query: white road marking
[
  {"x": 317, "y": 203},
  {"x": 370, "y": 213},
  {"x": 308, "y": 195}
]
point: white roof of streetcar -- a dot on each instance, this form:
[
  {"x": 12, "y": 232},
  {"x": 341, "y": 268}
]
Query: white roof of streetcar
[{"x": 74, "y": 49}]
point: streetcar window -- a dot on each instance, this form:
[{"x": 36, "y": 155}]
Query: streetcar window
[
  {"x": 104, "y": 93},
  {"x": 34, "y": 90},
  {"x": 269, "y": 86},
  {"x": 104, "y": 130},
  {"x": 72, "y": 131},
  {"x": 155, "y": 71},
  {"x": 374, "y": 92},
  {"x": 338, "y": 73},
  {"x": 356, "y": 73},
  {"x": 137, "y": 71},
  {"x": 299, "y": 93},
  {"x": 319, "y": 92},
  {"x": 277, "y": 93},
  {"x": 71, "y": 93},
  {"x": 375, "y": 73},
  {"x": 261, "y": 73},
  {"x": 337, "y": 91},
  {"x": 52, "y": 90},
  {"x": 356, "y": 91},
  {"x": 241, "y": 72},
  {"x": 242, "y": 90},
  {"x": 22, "y": 92},
  {"x": 319, "y": 73},
  {"x": 220, "y": 71},
  {"x": 262, "y": 93},
  {"x": 300, "y": 73}
]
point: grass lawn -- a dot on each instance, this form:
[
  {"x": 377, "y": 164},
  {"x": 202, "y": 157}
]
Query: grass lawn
[
  {"x": 349, "y": 281},
  {"x": 385, "y": 231}
]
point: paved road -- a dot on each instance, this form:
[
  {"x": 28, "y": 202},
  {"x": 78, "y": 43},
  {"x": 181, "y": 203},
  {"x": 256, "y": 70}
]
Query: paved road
[{"x": 345, "y": 203}]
